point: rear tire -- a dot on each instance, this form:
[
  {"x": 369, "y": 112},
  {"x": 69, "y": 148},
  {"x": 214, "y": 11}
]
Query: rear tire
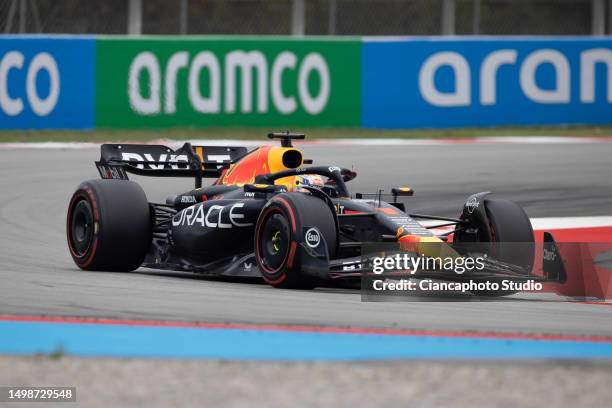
[
  {"x": 278, "y": 234},
  {"x": 108, "y": 225}
]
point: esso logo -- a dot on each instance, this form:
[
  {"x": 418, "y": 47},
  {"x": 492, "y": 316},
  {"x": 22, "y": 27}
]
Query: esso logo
[
  {"x": 313, "y": 237},
  {"x": 41, "y": 101}
]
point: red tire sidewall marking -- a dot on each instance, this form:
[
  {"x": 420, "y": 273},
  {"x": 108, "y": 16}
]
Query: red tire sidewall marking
[
  {"x": 88, "y": 195},
  {"x": 265, "y": 215},
  {"x": 264, "y": 269},
  {"x": 291, "y": 254},
  {"x": 287, "y": 206}
]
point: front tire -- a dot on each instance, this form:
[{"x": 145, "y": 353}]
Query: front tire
[
  {"x": 278, "y": 235},
  {"x": 507, "y": 223},
  {"x": 108, "y": 225}
]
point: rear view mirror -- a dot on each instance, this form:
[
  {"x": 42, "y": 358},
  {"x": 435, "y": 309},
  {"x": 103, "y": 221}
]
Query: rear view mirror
[{"x": 402, "y": 191}]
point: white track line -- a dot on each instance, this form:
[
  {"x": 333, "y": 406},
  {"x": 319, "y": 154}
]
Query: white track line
[
  {"x": 327, "y": 142},
  {"x": 416, "y": 141},
  {"x": 551, "y": 223},
  {"x": 50, "y": 145},
  {"x": 570, "y": 222}
]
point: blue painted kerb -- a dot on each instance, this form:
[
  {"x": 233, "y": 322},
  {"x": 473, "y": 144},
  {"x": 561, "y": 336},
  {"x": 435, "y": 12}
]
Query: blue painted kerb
[{"x": 254, "y": 344}]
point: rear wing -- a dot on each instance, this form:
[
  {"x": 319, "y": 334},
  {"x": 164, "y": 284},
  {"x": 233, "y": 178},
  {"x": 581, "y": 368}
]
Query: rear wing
[{"x": 116, "y": 160}]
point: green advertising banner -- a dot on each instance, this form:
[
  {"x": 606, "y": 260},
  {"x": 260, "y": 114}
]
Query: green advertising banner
[{"x": 281, "y": 82}]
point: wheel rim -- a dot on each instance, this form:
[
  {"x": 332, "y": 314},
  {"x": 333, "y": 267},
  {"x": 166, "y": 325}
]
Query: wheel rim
[
  {"x": 275, "y": 238},
  {"x": 276, "y": 241},
  {"x": 81, "y": 227}
]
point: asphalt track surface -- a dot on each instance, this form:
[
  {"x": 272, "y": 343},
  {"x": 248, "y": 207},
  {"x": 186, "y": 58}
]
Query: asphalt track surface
[{"x": 39, "y": 278}]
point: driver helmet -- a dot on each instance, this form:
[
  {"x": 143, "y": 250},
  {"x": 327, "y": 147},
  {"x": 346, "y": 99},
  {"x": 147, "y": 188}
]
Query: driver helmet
[{"x": 313, "y": 180}]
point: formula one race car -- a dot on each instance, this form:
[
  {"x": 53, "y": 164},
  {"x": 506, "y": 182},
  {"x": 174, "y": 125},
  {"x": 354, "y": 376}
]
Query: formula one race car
[{"x": 269, "y": 213}]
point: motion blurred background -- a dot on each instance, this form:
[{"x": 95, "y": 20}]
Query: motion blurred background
[
  {"x": 308, "y": 17},
  {"x": 306, "y": 64}
]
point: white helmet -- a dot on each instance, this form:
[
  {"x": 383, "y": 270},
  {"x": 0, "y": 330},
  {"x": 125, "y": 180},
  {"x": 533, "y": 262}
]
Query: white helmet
[{"x": 314, "y": 180}]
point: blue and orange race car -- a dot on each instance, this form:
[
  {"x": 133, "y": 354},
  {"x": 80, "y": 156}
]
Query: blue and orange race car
[{"x": 268, "y": 212}]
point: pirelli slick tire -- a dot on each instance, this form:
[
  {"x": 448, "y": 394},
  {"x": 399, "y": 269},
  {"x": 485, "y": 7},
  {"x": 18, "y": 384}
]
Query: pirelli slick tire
[
  {"x": 108, "y": 225},
  {"x": 508, "y": 223},
  {"x": 279, "y": 232}
]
